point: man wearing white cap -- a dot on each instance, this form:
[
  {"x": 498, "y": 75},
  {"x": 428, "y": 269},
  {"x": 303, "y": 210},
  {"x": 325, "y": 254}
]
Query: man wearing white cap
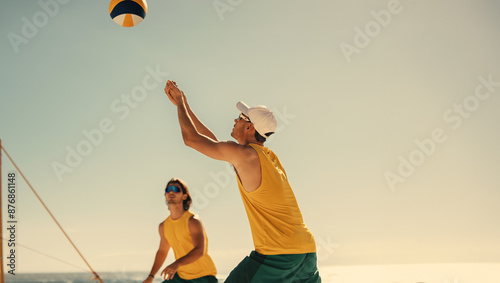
[{"x": 285, "y": 250}]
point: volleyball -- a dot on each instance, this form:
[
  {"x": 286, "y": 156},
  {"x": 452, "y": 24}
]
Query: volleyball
[{"x": 128, "y": 13}]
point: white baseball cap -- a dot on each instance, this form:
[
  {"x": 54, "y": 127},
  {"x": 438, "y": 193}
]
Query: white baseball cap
[{"x": 262, "y": 118}]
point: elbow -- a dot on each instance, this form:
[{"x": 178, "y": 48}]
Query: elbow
[
  {"x": 188, "y": 140},
  {"x": 192, "y": 140},
  {"x": 200, "y": 252}
]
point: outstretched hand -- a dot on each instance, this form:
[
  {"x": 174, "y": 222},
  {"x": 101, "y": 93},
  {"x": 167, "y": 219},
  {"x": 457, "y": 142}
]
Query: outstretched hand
[{"x": 174, "y": 93}]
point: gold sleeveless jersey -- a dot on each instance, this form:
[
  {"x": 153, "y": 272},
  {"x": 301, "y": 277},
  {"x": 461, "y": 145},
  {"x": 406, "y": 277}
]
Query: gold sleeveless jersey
[
  {"x": 274, "y": 215},
  {"x": 179, "y": 237}
]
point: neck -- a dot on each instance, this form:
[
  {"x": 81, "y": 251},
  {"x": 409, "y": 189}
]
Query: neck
[
  {"x": 176, "y": 211},
  {"x": 249, "y": 141},
  {"x": 256, "y": 142}
]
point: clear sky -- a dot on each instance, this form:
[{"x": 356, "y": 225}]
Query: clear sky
[{"x": 387, "y": 111}]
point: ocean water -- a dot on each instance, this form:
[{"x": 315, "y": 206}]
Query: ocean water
[
  {"x": 107, "y": 277},
  {"x": 402, "y": 273}
]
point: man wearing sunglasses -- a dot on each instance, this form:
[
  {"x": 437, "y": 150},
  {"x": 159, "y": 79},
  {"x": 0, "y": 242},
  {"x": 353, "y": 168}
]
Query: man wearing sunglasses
[
  {"x": 183, "y": 232},
  {"x": 285, "y": 250}
]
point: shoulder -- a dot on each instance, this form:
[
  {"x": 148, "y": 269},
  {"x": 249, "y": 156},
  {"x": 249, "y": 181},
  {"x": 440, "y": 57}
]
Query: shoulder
[
  {"x": 247, "y": 152},
  {"x": 251, "y": 153},
  {"x": 161, "y": 227},
  {"x": 162, "y": 224},
  {"x": 193, "y": 218},
  {"x": 236, "y": 146},
  {"x": 194, "y": 223},
  {"x": 234, "y": 152}
]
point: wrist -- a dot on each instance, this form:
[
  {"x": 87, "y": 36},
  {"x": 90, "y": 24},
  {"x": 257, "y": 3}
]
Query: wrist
[
  {"x": 182, "y": 99},
  {"x": 178, "y": 263},
  {"x": 152, "y": 276}
]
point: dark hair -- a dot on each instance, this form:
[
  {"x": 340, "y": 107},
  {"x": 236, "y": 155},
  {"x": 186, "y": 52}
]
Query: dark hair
[
  {"x": 260, "y": 138},
  {"x": 187, "y": 202}
]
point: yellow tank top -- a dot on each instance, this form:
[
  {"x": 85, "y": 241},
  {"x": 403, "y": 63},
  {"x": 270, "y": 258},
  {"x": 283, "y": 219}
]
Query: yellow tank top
[
  {"x": 274, "y": 215},
  {"x": 179, "y": 237}
]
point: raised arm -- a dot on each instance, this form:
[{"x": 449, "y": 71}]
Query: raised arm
[
  {"x": 200, "y": 127},
  {"x": 220, "y": 150},
  {"x": 161, "y": 255}
]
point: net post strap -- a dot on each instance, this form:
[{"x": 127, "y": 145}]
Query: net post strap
[
  {"x": 2, "y": 277},
  {"x": 51, "y": 215},
  {"x": 96, "y": 277}
]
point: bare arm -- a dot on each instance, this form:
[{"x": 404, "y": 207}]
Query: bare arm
[
  {"x": 200, "y": 127},
  {"x": 198, "y": 240},
  {"x": 161, "y": 255}
]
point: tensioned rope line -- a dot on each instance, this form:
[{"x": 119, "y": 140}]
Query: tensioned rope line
[{"x": 51, "y": 215}]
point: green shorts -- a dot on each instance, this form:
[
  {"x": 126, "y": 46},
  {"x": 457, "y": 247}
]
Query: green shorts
[
  {"x": 205, "y": 279},
  {"x": 288, "y": 268}
]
